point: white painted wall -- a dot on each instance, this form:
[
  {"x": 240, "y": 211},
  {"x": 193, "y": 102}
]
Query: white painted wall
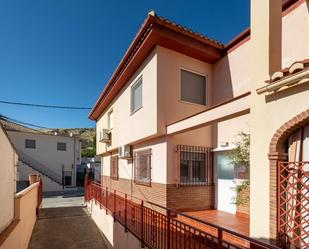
[
  {"x": 48, "y": 185},
  {"x": 46, "y": 152}
]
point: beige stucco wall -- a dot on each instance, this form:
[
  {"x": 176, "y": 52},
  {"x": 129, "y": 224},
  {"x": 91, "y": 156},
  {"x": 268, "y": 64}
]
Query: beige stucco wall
[
  {"x": 113, "y": 232},
  {"x": 8, "y": 159},
  {"x": 46, "y": 152},
  {"x": 295, "y": 35},
  {"x": 231, "y": 74},
  {"x": 158, "y": 161},
  {"x": 198, "y": 137},
  {"x": 170, "y": 107},
  {"x": 228, "y": 130},
  {"x": 268, "y": 113},
  {"x": 132, "y": 127},
  {"x": 26, "y": 203}
]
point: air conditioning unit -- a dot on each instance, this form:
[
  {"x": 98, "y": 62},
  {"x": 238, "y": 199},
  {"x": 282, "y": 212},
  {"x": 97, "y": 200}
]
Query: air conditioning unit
[
  {"x": 125, "y": 151},
  {"x": 105, "y": 136}
]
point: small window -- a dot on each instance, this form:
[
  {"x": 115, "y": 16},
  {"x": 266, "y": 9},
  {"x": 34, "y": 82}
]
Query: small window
[
  {"x": 193, "y": 88},
  {"x": 61, "y": 146},
  {"x": 30, "y": 143},
  {"x": 142, "y": 167},
  {"x": 114, "y": 168},
  {"x": 110, "y": 120},
  {"x": 137, "y": 95},
  {"x": 194, "y": 165}
]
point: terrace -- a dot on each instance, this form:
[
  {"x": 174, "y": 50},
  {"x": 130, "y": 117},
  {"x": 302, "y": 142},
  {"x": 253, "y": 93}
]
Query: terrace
[{"x": 158, "y": 227}]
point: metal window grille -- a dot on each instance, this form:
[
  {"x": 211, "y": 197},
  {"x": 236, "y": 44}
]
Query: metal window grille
[
  {"x": 61, "y": 146},
  {"x": 114, "y": 167},
  {"x": 30, "y": 143},
  {"x": 194, "y": 165},
  {"x": 142, "y": 167}
]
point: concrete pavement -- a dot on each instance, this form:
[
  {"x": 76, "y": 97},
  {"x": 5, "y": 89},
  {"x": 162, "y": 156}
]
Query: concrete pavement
[{"x": 65, "y": 224}]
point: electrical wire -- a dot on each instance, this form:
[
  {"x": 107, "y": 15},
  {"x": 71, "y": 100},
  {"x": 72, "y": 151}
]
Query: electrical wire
[
  {"x": 45, "y": 106},
  {"x": 5, "y": 118}
]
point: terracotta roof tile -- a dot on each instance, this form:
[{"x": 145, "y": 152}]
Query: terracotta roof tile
[{"x": 295, "y": 67}]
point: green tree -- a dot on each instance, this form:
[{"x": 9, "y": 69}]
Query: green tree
[
  {"x": 90, "y": 152},
  {"x": 240, "y": 157}
]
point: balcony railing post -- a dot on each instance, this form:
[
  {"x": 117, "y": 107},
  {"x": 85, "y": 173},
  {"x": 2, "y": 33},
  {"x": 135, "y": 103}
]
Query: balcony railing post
[
  {"x": 142, "y": 224},
  {"x": 106, "y": 201},
  {"x": 86, "y": 189},
  {"x": 168, "y": 228},
  {"x": 114, "y": 205},
  {"x": 125, "y": 212},
  {"x": 219, "y": 239}
]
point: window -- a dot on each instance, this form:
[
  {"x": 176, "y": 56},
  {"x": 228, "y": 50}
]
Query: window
[
  {"x": 137, "y": 95},
  {"x": 110, "y": 120},
  {"x": 142, "y": 167},
  {"x": 193, "y": 88},
  {"x": 30, "y": 143},
  {"x": 194, "y": 165},
  {"x": 114, "y": 168},
  {"x": 61, "y": 146}
]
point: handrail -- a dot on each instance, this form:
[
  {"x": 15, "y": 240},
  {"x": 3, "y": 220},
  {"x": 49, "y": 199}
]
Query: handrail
[
  {"x": 91, "y": 194},
  {"x": 40, "y": 167}
]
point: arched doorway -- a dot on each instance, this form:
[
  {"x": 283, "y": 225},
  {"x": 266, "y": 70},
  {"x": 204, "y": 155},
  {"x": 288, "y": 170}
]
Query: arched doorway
[{"x": 289, "y": 183}]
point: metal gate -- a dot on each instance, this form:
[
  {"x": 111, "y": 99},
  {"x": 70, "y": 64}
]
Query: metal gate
[{"x": 293, "y": 204}]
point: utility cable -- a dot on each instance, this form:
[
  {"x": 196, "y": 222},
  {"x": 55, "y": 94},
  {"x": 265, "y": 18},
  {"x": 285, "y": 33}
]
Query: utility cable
[{"x": 45, "y": 106}]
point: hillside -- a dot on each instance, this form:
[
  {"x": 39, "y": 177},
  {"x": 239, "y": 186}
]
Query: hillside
[{"x": 85, "y": 134}]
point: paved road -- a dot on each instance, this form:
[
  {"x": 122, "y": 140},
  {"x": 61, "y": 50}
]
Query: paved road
[
  {"x": 65, "y": 224},
  {"x": 66, "y": 200}
]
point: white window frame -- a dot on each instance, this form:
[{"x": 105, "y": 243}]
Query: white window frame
[
  {"x": 110, "y": 119},
  {"x": 139, "y": 81}
]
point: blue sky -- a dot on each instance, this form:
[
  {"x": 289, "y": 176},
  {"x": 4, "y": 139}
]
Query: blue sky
[{"x": 62, "y": 52}]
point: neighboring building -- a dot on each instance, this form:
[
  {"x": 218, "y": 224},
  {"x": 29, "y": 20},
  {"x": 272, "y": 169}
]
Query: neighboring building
[
  {"x": 18, "y": 210},
  {"x": 177, "y": 101},
  {"x": 7, "y": 179},
  {"x": 54, "y": 156},
  {"x": 87, "y": 164}
]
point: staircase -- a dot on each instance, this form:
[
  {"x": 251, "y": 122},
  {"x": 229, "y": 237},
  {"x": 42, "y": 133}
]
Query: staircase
[{"x": 39, "y": 167}]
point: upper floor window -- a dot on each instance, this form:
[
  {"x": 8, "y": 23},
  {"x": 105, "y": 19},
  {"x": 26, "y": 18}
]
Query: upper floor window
[
  {"x": 193, "y": 87},
  {"x": 114, "y": 168},
  {"x": 137, "y": 95},
  {"x": 30, "y": 143},
  {"x": 61, "y": 146},
  {"x": 110, "y": 120},
  {"x": 142, "y": 167}
]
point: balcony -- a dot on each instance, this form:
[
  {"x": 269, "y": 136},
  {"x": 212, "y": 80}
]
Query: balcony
[{"x": 158, "y": 227}]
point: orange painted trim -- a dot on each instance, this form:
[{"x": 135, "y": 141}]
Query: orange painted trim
[
  {"x": 240, "y": 41},
  {"x": 291, "y": 5},
  {"x": 105, "y": 97},
  {"x": 167, "y": 39}
]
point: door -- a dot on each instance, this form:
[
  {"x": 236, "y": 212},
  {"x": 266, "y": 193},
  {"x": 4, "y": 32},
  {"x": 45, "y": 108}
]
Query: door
[{"x": 225, "y": 183}]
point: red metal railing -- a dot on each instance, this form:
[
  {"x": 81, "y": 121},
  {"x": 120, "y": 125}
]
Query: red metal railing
[
  {"x": 161, "y": 228},
  {"x": 293, "y": 204}
]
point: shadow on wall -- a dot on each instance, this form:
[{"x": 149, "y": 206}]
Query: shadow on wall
[{"x": 222, "y": 88}]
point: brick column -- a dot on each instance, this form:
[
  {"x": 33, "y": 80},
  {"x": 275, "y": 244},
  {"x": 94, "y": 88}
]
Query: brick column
[{"x": 274, "y": 159}]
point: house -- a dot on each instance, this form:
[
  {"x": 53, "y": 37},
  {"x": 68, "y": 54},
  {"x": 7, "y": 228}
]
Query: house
[
  {"x": 18, "y": 210},
  {"x": 8, "y": 164},
  {"x": 54, "y": 156},
  {"x": 177, "y": 101}
]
